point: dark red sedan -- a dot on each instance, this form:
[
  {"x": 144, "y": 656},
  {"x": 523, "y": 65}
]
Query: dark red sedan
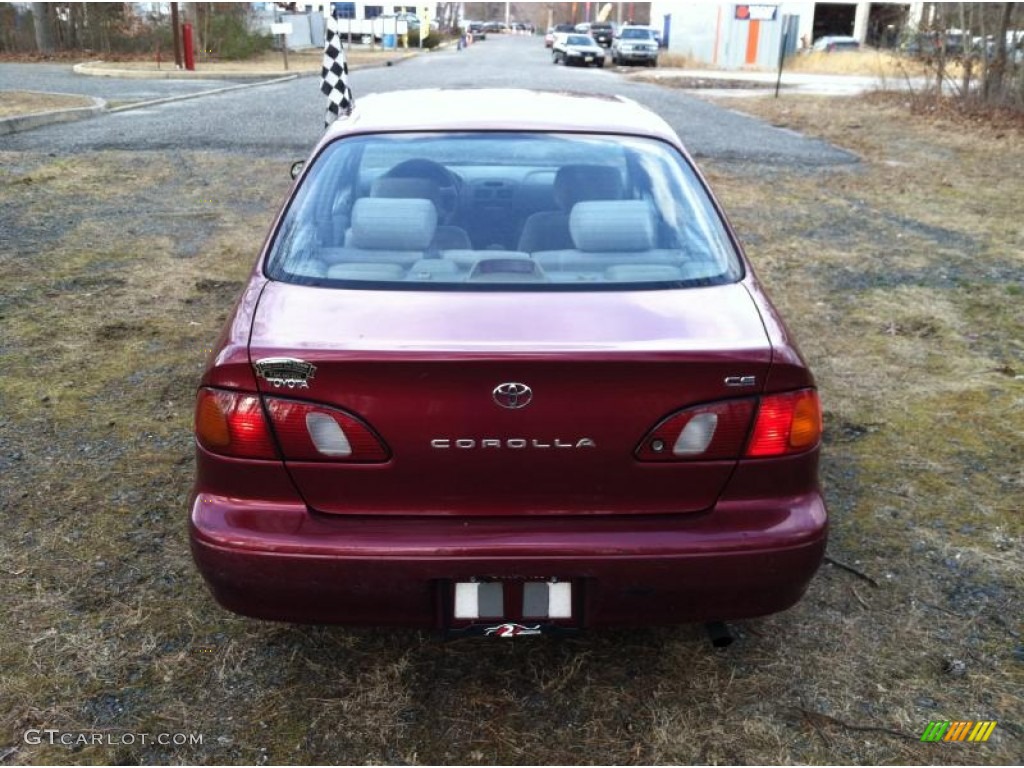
[{"x": 502, "y": 367}]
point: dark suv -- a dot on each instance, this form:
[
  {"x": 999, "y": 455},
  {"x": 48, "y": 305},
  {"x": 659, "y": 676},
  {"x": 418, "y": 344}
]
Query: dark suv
[{"x": 603, "y": 32}]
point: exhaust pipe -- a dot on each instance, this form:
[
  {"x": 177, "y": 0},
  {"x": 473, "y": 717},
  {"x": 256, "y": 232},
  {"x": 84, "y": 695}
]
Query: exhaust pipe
[{"x": 719, "y": 634}]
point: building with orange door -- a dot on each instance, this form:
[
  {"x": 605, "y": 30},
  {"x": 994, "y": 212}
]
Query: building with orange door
[{"x": 735, "y": 35}]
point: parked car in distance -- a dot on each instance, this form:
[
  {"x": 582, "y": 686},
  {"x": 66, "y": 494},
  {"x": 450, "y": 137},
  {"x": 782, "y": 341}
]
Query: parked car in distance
[
  {"x": 558, "y": 29},
  {"x": 603, "y": 32},
  {"x": 502, "y": 367},
  {"x": 833, "y": 43},
  {"x": 657, "y": 32},
  {"x": 574, "y": 48},
  {"x": 635, "y": 45},
  {"x": 476, "y": 29}
]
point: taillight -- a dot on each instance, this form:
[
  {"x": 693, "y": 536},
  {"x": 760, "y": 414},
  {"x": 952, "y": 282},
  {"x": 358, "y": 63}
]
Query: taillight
[
  {"x": 310, "y": 432},
  {"x": 705, "y": 432},
  {"x": 786, "y": 423},
  {"x": 234, "y": 424}
]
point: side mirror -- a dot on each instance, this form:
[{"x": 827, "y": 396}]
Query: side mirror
[{"x": 297, "y": 167}]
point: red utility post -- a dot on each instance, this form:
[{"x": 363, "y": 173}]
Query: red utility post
[{"x": 190, "y": 52}]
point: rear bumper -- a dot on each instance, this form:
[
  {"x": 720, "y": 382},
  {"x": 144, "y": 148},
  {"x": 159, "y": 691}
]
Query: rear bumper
[
  {"x": 636, "y": 55},
  {"x": 580, "y": 58},
  {"x": 278, "y": 561}
]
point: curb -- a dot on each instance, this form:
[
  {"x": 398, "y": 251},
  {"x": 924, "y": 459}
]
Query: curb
[
  {"x": 18, "y": 123},
  {"x": 40, "y": 119},
  {"x": 89, "y": 69},
  {"x": 185, "y": 96}
]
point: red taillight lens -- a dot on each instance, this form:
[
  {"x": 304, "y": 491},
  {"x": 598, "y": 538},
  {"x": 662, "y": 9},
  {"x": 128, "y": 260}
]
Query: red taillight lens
[
  {"x": 232, "y": 423},
  {"x": 310, "y": 432},
  {"x": 702, "y": 433},
  {"x": 786, "y": 423}
]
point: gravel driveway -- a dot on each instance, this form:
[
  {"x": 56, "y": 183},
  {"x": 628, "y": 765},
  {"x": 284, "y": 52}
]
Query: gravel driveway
[{"x": 285, "y": 119}]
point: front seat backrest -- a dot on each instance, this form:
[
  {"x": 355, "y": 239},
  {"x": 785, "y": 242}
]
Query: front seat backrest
[{"x": 549, "y": 230}]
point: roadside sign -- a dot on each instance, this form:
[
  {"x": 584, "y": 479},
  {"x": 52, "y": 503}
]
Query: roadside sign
[{"x": 281, "y": 29}]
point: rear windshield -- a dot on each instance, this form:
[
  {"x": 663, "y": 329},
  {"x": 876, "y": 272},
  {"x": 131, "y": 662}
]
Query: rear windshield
[
  {"x": 637, "y": 34},
  {"x": 528, "y": 211}
]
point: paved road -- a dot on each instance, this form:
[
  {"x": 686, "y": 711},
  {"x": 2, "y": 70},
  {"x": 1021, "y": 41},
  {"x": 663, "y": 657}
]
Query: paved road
[
  {"x": 285, "y": 119},
  {"x": 58, "y": 78}
]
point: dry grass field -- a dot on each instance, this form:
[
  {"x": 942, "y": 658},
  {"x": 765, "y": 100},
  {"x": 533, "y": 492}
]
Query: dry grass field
[
  {"x": 29, "y": 102},
  {"x": 903, "y": 278}
]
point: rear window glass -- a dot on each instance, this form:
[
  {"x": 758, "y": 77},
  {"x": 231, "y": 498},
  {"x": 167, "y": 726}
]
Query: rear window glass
[{"x": 523, "y": 211}]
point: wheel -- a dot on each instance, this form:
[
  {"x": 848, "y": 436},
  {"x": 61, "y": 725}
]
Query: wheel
[{"x": 653, "y": 63}]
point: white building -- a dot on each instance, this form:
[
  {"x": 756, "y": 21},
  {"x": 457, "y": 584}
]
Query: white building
[{"x": 736, "y": 35}]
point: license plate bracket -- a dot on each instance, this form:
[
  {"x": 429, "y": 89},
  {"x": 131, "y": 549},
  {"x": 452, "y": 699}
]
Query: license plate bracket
[{"x": 511, "y": 607}]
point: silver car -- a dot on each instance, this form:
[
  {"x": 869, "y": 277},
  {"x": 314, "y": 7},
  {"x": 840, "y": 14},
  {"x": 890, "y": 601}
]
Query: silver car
[{"x": 635, "y": 44}]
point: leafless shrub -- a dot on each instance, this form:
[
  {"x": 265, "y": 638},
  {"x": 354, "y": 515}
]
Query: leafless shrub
[{"x": 973, "y": 52}]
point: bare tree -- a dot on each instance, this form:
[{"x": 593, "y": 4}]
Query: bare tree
[
  {"x": 43, "y": 22},
  {"x": 982, "y": 60},
  {"x": 996, "y": 84}
]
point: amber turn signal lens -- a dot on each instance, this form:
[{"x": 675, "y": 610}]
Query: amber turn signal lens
[
  {"x": 211, "y": 421},
  {"x": 806, "y": 429}
]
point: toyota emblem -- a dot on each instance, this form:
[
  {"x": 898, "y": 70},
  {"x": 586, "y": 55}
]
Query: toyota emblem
[{"x": 512, "y": 394}]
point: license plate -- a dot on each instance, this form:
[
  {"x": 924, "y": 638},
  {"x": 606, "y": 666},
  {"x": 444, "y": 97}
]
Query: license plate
[
  {"x": 513, "y": 607},
  {"x": 589, "y": 58}
]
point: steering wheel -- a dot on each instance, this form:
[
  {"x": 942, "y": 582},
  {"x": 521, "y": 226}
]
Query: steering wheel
[{"x": 449, "y": 184}]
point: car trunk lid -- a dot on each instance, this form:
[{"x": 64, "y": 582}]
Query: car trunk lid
[{"x": 425, "y": 370}]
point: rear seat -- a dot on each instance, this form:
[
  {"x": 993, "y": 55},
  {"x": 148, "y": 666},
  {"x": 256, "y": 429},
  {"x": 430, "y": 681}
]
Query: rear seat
[
  {"x": 610, "y": 234},
  {"x": 387, "y": 236}
]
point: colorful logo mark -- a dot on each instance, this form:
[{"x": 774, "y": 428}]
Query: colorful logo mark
[{"x": 958, "y": 730}]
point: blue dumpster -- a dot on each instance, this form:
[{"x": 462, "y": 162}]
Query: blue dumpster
[{"x": 390, "y": 41}]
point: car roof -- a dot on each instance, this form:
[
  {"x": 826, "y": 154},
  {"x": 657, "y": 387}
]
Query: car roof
[{"x": 441, "y": 109}]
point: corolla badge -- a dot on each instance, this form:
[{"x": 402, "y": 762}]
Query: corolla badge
[
  {"x": 512, "y": 394},
  {"x": 512, "y": 629},
  {"x": 285, "y": 372}
]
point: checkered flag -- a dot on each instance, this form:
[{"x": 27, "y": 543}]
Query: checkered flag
[{"x": 334, "y": 75}]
